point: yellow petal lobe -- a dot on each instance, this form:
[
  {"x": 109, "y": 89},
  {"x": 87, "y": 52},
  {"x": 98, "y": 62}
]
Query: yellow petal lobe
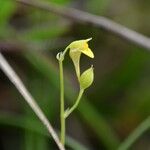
[{"x": 88, "y": 52}]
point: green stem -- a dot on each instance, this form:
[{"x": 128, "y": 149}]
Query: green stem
[
  {"x": 62, "y": 119},
  {"x": 145, "y": 125},
  {"x": 60, "y": 56},
  {"x": 68, "y": 112}
]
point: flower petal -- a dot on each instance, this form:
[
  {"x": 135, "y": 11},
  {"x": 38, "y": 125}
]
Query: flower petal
[
  {"x": 75, "y": 56},
  {"x": 88, "y": 52}
]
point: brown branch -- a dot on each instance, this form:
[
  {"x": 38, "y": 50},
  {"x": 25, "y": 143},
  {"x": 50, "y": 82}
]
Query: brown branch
[
  {"x": 87, "y": 18},
  {"x": 14, "y": 78}
]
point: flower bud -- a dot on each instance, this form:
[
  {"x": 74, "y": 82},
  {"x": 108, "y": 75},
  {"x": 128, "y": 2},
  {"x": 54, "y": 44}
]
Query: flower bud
[{"x": 87, "y": 77}]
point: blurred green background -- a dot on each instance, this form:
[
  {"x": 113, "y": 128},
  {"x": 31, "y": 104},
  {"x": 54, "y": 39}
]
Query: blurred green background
[{"x": 112, "y": 107}]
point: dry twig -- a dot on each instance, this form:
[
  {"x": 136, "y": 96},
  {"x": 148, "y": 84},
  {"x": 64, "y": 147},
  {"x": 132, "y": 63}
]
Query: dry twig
[{"x": 87, "y": 18}]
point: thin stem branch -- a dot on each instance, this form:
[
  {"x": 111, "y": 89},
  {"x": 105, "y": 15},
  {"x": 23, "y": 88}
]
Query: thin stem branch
[
  {"x": 87, "y": 18},
  {"x": 68, "y": 112},
  {"x": 14, "y": 78},
  {"x": 62, "y": 119},
  {"x": 145, "y": 125}
]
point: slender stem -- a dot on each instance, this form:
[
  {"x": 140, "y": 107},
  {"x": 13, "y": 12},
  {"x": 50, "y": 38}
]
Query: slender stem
[
  {"x": 60, "y": 56},
  {"x": 68, "y": 112},
  {"x": 145, "y": 125},
  {"x": 62, "y": 119}
]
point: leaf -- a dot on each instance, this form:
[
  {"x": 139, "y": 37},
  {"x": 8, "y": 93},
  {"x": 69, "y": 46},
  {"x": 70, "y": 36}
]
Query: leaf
[
  {"x": 7, "y": 7},
  {"x": 43, "y": 32}
]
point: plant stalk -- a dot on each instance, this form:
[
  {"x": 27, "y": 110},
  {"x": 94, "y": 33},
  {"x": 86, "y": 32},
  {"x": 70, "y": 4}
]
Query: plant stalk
[
  {"x": 62, "y": 119},
  {"x": 68, "y": 112}
]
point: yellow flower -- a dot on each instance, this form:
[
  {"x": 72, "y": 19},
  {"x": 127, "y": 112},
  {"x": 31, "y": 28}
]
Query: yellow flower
[
  {"x": 82, "y": 47},
  {"x": 76, "y": 49}
]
